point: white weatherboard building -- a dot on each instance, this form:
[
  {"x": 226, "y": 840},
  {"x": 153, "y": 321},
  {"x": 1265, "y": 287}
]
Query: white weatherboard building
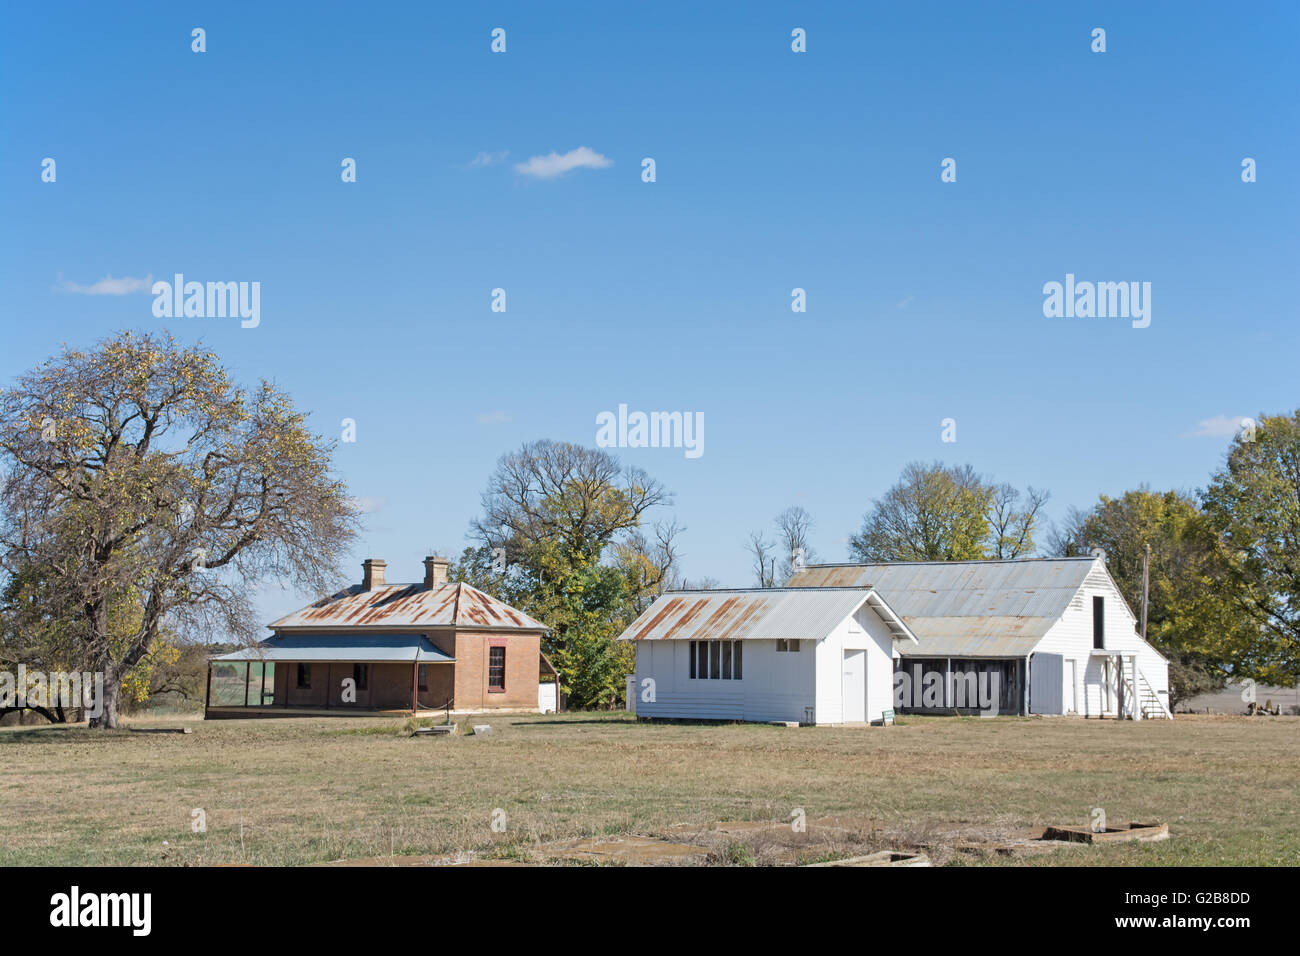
[
  {"x": 1031, "y": 636},
  {"x": 813, "y": 655}
]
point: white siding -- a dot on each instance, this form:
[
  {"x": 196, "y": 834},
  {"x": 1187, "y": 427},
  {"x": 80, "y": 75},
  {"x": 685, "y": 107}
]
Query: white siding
[
  {"x": 866, "y": 631},
  {"x": 773, "y": 686},
  {"x": 776, "y": 685},
  {"x": 1071, "y": 639}
]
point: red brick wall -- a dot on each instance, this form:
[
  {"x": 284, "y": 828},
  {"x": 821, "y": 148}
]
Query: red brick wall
[
  {"x": 313, "y": 696},
  {"x": 439, "y": 679},
  {"x": 466, "y": 681},
  {"x": 523, "y": 661},
  {"x": 388, "y": 686}
]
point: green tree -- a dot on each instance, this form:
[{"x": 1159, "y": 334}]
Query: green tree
[
  {"x": 934, "y": 513},
  {"x": 562, "y": 537},
  {"x": 152, "y": 493},
  {"x": 1194, "y": 615},
  {"x": 1253, "y": 503}
]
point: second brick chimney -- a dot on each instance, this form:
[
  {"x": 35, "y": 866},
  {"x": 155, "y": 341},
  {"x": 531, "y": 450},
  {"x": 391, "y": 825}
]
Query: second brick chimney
[
  {"x": 372, "y": 573},
  {"x": 435, "y": 571}
]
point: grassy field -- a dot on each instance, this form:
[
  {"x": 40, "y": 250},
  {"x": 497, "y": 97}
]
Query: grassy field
[{"x": 315, "y": 790}]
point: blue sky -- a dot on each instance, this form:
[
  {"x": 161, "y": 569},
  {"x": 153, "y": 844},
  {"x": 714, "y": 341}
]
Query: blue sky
[{"x": 775, "y": 170}]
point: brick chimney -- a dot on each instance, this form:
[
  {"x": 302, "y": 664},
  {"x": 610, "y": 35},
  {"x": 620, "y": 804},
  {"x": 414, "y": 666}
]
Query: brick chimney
[
  {"x": 435, "y": 571},
  {"x": 372, "y": 575}
]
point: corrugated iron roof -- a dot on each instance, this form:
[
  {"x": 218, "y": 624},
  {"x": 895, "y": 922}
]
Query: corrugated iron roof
[
  {"x": 406, "y": 648},
  {"x": 759, "y": 614},
  {"x": 409, "y": 605},
  {"x": 966, "y": 608}
]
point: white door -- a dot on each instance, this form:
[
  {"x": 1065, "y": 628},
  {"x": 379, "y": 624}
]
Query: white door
[
  {"x": 546, "y": 698},
  {"x": 855, "y": 686}
]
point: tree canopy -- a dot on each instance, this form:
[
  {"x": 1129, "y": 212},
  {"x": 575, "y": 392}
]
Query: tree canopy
[
  {"x": 1253, "y": 503},
  {"x": 1192, "y": 616},
  {"x": 564, "y": 536},
  {"x": 938, "y": 512},
  {"x": 144, "y": 489}
]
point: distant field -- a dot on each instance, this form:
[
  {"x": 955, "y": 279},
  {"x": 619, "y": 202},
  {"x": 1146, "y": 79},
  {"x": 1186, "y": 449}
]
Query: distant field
[{"x": 313, "y": 790}]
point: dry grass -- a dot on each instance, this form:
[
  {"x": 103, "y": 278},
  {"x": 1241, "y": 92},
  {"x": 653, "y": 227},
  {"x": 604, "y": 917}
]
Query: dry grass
[{"x": 311, "y": 790}]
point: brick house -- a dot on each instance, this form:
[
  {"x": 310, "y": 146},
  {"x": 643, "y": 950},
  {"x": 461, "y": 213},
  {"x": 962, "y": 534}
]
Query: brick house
[{"x": 390, "y": 648}]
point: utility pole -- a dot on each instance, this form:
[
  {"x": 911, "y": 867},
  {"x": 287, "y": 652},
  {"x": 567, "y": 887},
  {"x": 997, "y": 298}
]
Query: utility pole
[{"x": 1146, "y": 587}]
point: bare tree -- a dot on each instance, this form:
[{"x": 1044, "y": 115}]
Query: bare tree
[
  {"x": 794, "y": 525},
  {"x": 650, "y": 562},
  {"x": 1069, "y": 539},
  {"x": 765, "y": 559},
  {"x": 1011, "y": 525},
  {"x": 549, "y": 491},
  {"x": 705, "y": 583}
]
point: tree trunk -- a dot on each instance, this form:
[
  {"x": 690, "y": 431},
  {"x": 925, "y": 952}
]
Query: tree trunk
[{"x": 107, "y": 720}]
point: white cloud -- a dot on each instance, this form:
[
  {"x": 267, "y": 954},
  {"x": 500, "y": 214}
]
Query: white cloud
[
  {"x": 556, "y": 164},
  {"x": 110, "y": 286},
  {"x": 368, "y": 506},
  {"x": 493, "y": 418},
  {"x": 1220, "y": 426},
  {"x": 489, "y": 159}
]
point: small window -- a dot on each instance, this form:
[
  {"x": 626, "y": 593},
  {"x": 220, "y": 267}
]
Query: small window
[
  {"x": 702, "y": 660},
  {"x": 692, "y": 658},
  {"x": 424, "y": 677},
  {"x": 715, "y": 660},
  {"x": 783, "y": 645},
  {"x": 361, "y": 675},
  {"x": 496, "y": 668},
  {"x": 794, "y": 646},
  {"x": 726, "y": 660},
  {"x": 304, "y": 677},
  {"x": 735, "y": 659},
  {"x": 1099, "y": 622}
]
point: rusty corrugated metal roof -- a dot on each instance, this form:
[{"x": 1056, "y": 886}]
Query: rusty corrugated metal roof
[
  {"x": 966, "y": 608},
  {"x": 406, "y": 606},
  {"x": 759, "y": 614}
]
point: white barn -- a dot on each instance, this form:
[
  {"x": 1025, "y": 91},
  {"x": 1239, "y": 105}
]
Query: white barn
[{"x": 1030, "y": 636}]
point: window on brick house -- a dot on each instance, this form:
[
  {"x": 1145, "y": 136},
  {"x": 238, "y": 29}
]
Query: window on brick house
[
  {"x": 361, "y": 674},
  {"x": 496, "y": 668},
  {"x": 424, "y": 677},
  {"x": 304, "y": 676}
]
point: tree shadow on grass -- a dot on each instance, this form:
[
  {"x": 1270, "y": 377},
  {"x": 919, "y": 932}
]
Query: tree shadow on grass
[{"x": 61, "y": 733}]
